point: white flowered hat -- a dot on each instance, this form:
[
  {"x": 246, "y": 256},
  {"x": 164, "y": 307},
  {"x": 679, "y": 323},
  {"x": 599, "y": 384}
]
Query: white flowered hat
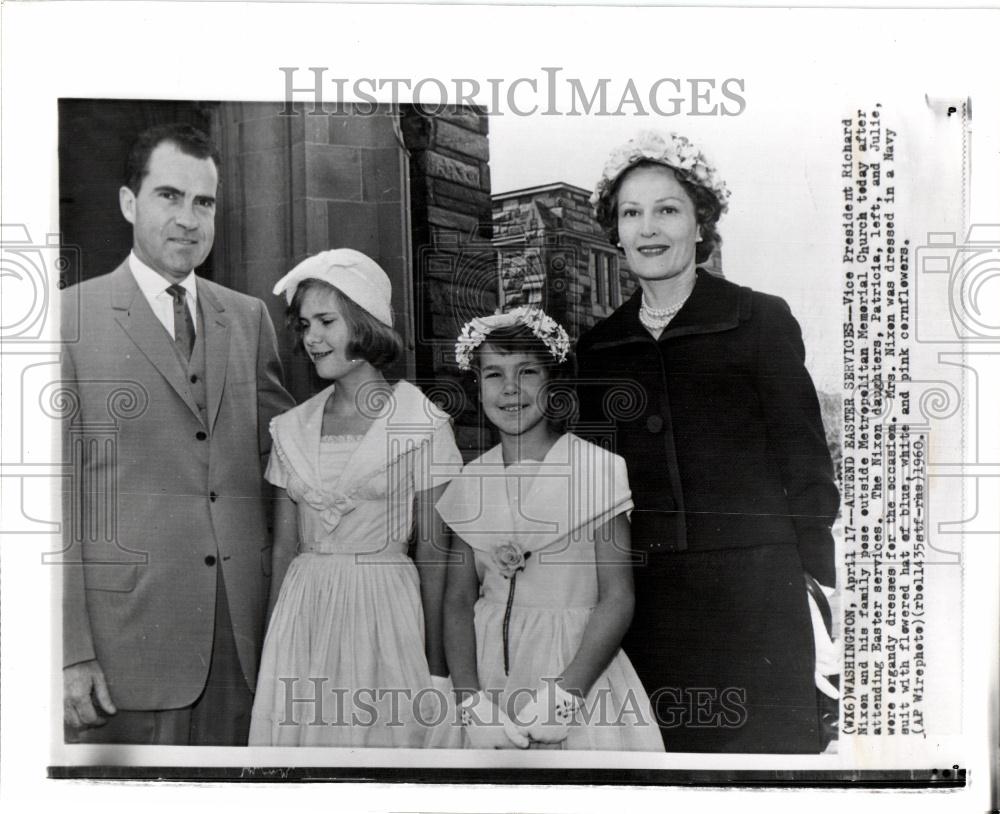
[
  {"x": 476, "y": 330},
  {"x": 671, "y": 150}
]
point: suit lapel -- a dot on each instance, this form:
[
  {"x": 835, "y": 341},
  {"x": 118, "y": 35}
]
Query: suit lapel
[
  {"x": 133, "y": 314},
  {"x": 216, "y": 349}
]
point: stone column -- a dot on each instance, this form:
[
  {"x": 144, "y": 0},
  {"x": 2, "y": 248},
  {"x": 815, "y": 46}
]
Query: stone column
[{"x": 454, "y": 263}]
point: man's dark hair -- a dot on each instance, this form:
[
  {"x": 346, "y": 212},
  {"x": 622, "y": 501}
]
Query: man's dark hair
[{"x": 189, "y": 140}]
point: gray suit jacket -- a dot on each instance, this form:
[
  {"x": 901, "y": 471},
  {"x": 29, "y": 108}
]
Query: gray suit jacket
[{"x": 159, "y": 499}]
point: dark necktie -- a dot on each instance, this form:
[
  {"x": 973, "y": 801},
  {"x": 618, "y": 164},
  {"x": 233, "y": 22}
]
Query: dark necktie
[{"x": 183, "y": 324}]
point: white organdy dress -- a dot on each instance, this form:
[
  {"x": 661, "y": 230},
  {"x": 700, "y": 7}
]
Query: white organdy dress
[
  {"x": 551, "y": 509},
  {"x": 343, "y": 661}
]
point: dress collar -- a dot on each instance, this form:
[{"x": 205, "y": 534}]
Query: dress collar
[
  {"x": 577, "y": 483},
  {"x": 405, "y": 422}
]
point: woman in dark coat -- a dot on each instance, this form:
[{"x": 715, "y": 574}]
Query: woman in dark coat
[{"x": 700, "y": 384}]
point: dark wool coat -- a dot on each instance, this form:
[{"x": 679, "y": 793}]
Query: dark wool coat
[{"x": 720, "y": 426}]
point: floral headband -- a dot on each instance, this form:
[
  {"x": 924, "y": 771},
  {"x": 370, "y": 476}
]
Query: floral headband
[
  {"x": 671, "y": 150},
  {"x": 475, "y": 332}
]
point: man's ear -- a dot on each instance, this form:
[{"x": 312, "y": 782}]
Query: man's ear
[{"x": 126, "y": 200}]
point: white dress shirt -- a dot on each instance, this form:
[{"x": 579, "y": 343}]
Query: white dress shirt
[{"x": 154, "y": 288}]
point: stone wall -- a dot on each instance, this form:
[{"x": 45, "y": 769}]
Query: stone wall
[
  {"x": 454, "y": 263},
  {"x": 545, "y": 237},
  {"x": 297, "y": 185}
]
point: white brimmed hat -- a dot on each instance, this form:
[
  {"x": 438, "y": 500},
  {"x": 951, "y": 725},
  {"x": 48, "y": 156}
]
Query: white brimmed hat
[{"x": 355, "y": 275}]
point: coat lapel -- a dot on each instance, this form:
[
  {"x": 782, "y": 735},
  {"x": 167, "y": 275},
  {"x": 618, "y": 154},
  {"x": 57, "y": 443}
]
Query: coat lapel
[
  {"x": 133, "y": 314},
  {"x": 714, "y": 305},
  {"x": 216, "y": 348}
]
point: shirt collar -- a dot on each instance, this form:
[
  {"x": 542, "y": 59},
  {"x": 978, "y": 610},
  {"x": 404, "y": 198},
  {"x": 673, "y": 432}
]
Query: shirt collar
[{"x": 153, "y": 284}]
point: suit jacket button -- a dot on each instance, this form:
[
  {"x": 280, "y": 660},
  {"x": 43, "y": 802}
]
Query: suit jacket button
[
  {"x": 212, "y": 496},
  {"x": 201, "y": 435},
  {"x": 654, "y": 424},
  {"x": 209, "y": 560},
  {"x": 194, "y": 378}
]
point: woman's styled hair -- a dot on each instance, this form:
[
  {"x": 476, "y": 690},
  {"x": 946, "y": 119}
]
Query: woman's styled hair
[
  {"x": 560, "y": 402},
  {"x": 370, "y": 339},
  {"x": 707, "y": 208}
]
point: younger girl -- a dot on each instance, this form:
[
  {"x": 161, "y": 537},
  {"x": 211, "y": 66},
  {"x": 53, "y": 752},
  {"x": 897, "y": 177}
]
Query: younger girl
[
  {"x": 345, "y": 661},
  {"x": 539, "y": 590}
]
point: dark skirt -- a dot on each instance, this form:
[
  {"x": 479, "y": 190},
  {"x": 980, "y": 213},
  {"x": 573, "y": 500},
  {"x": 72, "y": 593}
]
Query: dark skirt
[{"x": 722, "y": 641}]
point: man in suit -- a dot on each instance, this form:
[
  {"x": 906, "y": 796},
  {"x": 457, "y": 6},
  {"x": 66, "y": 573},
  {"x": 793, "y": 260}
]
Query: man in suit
[{"x": 174, "y": 381}]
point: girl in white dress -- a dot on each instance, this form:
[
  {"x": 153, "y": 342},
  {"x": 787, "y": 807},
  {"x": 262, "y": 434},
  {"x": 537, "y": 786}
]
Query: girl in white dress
[
  {"x": 353, "y": 654},
  {"x": 539, "y": 591}
]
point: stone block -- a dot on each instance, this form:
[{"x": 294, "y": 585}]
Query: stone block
[
  {"x": 266, "y": 230},
  {"x": 451, "y": 169},
  {"x": 464, "y": 208},
  {"x": 354, "y": 225},
  {"x": 392, "y": 238},
  {"x": 333, "y": 172},
  {"x": 265, "y": 176},
  {"x": 473, "y": 201},
  {"x": 316, "y": 226},
  {"x": 430, "y": 262},
  {"x": 440, "y": 216},
  {"x": 262, "y": 134},
  {"x": 469, "y": 118},
  {"x": 363, "y": 130},
  {"x": 381, "y": 175},
  {"x": 579, "y": 222},
  {"x": 260, "y": 275},
  {"x": 460, "y": 140},
  {"x": 416, "y": 129},
  {"x": 317, "y": 129}
]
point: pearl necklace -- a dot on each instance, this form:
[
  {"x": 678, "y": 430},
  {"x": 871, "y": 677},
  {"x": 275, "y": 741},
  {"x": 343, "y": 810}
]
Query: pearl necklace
[{"x": 656, "y": 319}]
